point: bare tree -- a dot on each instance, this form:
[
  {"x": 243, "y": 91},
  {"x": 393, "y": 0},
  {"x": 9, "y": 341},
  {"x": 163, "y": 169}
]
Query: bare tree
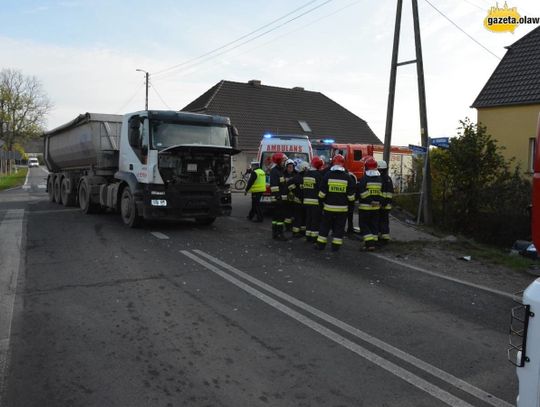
[{"x": 23, "y": 107}]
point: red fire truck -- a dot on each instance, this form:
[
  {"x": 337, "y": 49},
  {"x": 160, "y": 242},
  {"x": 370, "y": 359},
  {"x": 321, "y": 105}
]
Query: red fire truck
[{"x": 525, "y": 325}]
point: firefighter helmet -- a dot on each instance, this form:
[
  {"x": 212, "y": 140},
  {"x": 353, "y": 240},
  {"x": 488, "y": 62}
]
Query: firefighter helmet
[
  {"x": 289, "y": 161},
  {"x": 317, "y": 162},
  {"x": 278, "y": 158},
  {"x": 371, "y": 164},
  {"x": 302, "y": 166},
  {"x": 381, "y": 165},
  {"x": 338, "y": 160}
]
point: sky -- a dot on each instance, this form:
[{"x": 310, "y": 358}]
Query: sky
[{"x": 86, "y": 53}]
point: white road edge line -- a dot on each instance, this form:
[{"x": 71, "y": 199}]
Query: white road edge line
[
  {"x": 385, "y": 364},
  {"x": 445, "y": 277},
  {"x": 159, "y": 235},
  {"x": 26, "y": 186},
  {"x": 434, "y": 371},
  {"x": 11, "y": 230}
]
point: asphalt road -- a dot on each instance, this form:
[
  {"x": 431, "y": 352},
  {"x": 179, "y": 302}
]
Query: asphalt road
[{"x": 95, "y": 314}]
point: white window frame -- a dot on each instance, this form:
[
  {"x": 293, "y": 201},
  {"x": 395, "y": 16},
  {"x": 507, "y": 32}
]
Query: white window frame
[{"x": 532, "y": 154}]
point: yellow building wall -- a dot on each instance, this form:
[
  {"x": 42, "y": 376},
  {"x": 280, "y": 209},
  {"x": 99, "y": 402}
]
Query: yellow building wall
[{"x": 512, "y": 127}]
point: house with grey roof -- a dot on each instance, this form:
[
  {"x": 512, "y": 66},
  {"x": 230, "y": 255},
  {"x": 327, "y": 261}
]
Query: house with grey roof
[
  {"x": 509, "y": 103},
  {"x": 257, "y": 109}
]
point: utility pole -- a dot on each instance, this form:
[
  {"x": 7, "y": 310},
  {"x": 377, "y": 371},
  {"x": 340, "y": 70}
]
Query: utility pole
[
  {"x": 426, "y": 181},
  {"x": 428, "y": 219},
  {"x": 147, "y": 76},
  {"x": 392, "y": 90}
]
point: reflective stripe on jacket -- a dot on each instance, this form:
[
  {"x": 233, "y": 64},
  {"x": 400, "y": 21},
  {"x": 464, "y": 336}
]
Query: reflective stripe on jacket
[
  {"x": 369, "y": 193},
  {"x": 337, "y": 191}
]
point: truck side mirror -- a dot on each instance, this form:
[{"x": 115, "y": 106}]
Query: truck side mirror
[{"x": 234, "y": 141}]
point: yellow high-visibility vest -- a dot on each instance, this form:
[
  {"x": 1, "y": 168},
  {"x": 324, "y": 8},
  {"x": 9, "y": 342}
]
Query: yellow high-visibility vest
[{"x": 260, "y": 183}]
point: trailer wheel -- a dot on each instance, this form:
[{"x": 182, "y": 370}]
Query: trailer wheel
[
  {"x": 50, "y": 187},
  {"x": 206, "y": 221},
  {"x": 85, "y": 199},
  {"x": 68, "y": 198},
  {"x": 128, "y": 209},
  {"x": 56, "y": 189}
]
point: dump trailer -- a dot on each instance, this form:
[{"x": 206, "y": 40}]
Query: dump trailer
[{"x": 144, "y": 165}]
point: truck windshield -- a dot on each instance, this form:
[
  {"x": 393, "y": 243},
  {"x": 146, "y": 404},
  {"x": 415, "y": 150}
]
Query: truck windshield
[{"x": 166, "y": 134}]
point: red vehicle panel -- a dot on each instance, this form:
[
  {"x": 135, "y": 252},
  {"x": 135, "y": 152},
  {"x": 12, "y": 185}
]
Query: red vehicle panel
[
  {"x": 353, "y": 154},
  {"x": 536, "y": 192}
]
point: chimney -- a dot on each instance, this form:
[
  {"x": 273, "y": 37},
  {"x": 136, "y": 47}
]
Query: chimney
[
  {"x": 255, "y": 83},
  {"x": 298, "y": 88}
]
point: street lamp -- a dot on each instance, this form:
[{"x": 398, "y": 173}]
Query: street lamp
[{"x": 147, "y": 75}]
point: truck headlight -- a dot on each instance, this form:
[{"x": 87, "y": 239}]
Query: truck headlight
[{"x": 159, "y": 202}]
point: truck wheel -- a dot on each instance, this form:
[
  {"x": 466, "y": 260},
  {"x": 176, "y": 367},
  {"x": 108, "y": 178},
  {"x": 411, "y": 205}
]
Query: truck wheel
[
  {"x": 85, "y": 199},
  {"x": 50, "y": 187},
  {"x": 68, "y": 198},
  {"x": 128, "y": 209},
  {"x": 56, "y": 189},
  {"x": 205, "y": 221}
]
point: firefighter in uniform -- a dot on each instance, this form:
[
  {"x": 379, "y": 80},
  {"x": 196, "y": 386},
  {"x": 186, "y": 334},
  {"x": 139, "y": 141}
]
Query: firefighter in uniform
[
  {"x": 278, "y": 188},
  {"x": 336, "y": 193},
  {"x": 369, "y": 194},
  {"x": 310, "y": 187},
  {"x": 299, "y": 214},
  {"x": 289, "y": 173},
  {"x": 256, "y": 185},
  {"x": 386, "y": 204}
]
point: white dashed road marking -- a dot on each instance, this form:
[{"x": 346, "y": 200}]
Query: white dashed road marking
[{"x": 159, "y": 235}]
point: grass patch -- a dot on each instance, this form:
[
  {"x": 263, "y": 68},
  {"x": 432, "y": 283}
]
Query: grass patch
[
  {"x": 13, "y": 180},
  {"x": 498, "y": 256}
]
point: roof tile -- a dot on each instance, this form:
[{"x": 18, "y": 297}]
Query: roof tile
[
  {"x": 516, "y": 80},
  {"x": 256, "y": 110}
]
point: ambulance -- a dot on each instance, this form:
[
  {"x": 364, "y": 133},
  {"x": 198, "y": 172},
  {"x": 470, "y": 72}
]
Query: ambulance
[{"x": 293, "y": 146}]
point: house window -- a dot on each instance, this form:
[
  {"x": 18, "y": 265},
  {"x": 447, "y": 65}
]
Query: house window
[
  {"x": 532, "y": 154},
  {"x": 304, "y": 126}
]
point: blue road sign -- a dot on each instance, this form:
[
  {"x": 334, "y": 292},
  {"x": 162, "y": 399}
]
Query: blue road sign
[
  {"x": 417, "y": 149},
  {"x": 442, "y": 142}
]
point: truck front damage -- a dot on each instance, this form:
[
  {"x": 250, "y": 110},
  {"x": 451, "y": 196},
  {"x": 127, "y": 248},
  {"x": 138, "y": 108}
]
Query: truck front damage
[{"x": 181, "y": 163}]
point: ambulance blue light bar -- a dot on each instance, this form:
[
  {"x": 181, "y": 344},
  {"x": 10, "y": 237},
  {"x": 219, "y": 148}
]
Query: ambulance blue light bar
[
  {"x": 328, "y": 141},
  {"x": 267, "y": 135}
]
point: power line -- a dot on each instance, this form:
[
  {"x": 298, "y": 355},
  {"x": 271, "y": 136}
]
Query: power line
[
  {"x": 119, "y": 110},
  {"x": 250, "y": 40},
  {"x": 236, "y": 40},
  {"x": 302, "y": 27},
  {"x": 461, "y": 29},
  {"x": 285, "y": 34},
  {"x": 159, "y": 96}
]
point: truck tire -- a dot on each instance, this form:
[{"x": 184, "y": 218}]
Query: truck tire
[
  {"x": 85, "y": 198},
  {"x": 205, "y": 221},
  {"x": 128, "y": 209},
  {"x": 68, "y": 198},
  {"x": 56, "y": 189},
  {"x": 50, "y": 187}
]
